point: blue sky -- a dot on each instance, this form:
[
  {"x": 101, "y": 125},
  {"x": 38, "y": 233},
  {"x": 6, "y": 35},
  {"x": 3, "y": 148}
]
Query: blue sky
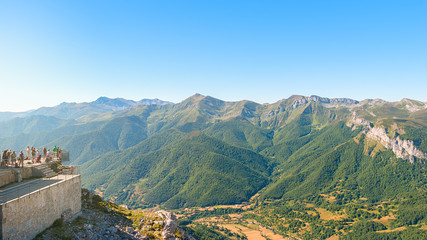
[{"x": 76, "y": 51}]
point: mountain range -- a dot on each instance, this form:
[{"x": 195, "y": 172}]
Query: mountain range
[
  {"x": 76, "y": 110},
  {"x": 204, "y": 151}
]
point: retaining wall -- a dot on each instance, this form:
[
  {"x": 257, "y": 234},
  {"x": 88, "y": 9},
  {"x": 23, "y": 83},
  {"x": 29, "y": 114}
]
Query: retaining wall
[
  {"x": 8, "y": 176},
  {"x": 25, "y": 217}
]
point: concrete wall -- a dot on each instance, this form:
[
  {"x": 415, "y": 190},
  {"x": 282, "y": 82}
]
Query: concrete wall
[
  {"x": 26, "y": 172},
  {"x": 25, "y": 217},
  {"x": 71, "y": 169},
  {"x": 8, "y": 176}
]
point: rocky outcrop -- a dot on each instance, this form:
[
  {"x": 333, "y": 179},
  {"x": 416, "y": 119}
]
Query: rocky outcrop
[
  {"x": 356, "y": 121},
  {"x": 348, "y": 101},
  {"x": 101, "y": 220},
  {"x": 170, "y": 227},
  {"x": 403, "y": 149},
  {"x": 297, "y": 101},
  {"x": 413, "y": 106},
  {"x": 304, "y": 100}
]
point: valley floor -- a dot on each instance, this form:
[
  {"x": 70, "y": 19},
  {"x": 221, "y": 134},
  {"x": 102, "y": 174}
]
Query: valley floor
[{"x": 321, "y": 219}]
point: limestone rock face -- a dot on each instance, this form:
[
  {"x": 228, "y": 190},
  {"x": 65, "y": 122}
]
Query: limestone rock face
[
  {"x": 304, "y": 100},
  {"x": 169, "y": 223},
  {"x": 332, "y": 100},
  {"x": 166, "y": 215},
  {"x": 356, "y": 121},
  {"x": 170, "y": 226},
  {"x": 413, "y": 106},
  {"x": 404, "y": 149},
  {"x": 379, "y": 135},
  {"x": 299, "y": 102}
]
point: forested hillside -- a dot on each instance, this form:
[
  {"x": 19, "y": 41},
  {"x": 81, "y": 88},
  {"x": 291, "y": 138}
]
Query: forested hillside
[
  {"x": 205, "y": 151},
  {"x": 308, "y": 146},
  {"x": 305, "y": 145}
]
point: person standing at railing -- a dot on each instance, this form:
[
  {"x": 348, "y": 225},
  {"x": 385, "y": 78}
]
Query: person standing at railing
[
  {"x": 9, "y": 157},
  {"x": 13, "y": 159},
  {"x": 28, "y": 152},
  {"x": 48, "y": 157},
  {"x": 59, "y": 154},
  {"x": 5, "y": 157},
  {"x": 55, "y": 151},
  {"x": 33, "y": 154},
  {"x": 21, "y": 159},
  {"x": 39, "y": 157},
  {"x": 44, "y": 152}
]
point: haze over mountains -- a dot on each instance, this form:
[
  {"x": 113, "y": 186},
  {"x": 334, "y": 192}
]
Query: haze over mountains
[
  {"x": 205, "y": 151},
  {"x": 76, "y": 110}
]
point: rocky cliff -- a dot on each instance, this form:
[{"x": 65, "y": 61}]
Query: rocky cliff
[
  {"x": 304, "y": 100},
  {"x": 102, "y": 220},
  {"x": 297, "y": 101},
  {"x": 403, "y": 149}
]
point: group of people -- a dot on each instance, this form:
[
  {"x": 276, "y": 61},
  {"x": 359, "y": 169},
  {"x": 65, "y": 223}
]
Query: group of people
[{"x": 10, "y": 158}]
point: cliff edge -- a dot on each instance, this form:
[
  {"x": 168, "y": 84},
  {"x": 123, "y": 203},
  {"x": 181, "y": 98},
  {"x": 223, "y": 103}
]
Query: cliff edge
[{"x": 102, "y": 220}]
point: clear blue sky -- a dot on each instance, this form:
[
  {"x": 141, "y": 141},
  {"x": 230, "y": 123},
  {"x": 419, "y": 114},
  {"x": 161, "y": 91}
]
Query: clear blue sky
[{"x": 75, "y": 51}]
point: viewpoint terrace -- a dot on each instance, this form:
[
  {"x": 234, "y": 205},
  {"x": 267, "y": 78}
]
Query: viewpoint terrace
[{"x": 33, "y": 197}]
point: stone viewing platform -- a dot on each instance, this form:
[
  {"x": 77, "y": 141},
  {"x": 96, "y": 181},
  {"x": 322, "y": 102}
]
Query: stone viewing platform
[
  {"x": 33, "y": 197},
  {"x": 34, "y": 170}
]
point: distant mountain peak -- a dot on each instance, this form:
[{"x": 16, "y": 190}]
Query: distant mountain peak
[
  {"x": 413, "y": 105},
  {"x": 199, "y": 99},
  {"x": 315, "y": 98},
  {"x": 116, "y": 102},
  {"x": 102, "y": 99},
  {"x": 107, "y": 99},
  {"x": 155, "y": 101},
  {"x": 124, "y": 103},
  {"x": 196, "y": 96},
  {"x": 296, "y": 101}
]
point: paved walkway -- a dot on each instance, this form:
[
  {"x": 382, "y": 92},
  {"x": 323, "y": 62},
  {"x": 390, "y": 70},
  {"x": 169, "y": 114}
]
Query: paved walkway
[
  {"x": 17, "y": 190},
  {"x": 29, "y": 163}
]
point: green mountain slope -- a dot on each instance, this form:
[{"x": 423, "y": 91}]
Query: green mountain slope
[
  {"x": 205, "y": 151},
  {"x": 99, "y": 170},
  {"x": 50, "y": 137},
  {"x": 119, "y": 133},
  {"x": 240, "y": 132},
  {"x": 307, "y": 146},
  {"x": 196, "y": 171},
  {"x": 33, "y": 124},
  {"x": 347, "y": 168}
]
